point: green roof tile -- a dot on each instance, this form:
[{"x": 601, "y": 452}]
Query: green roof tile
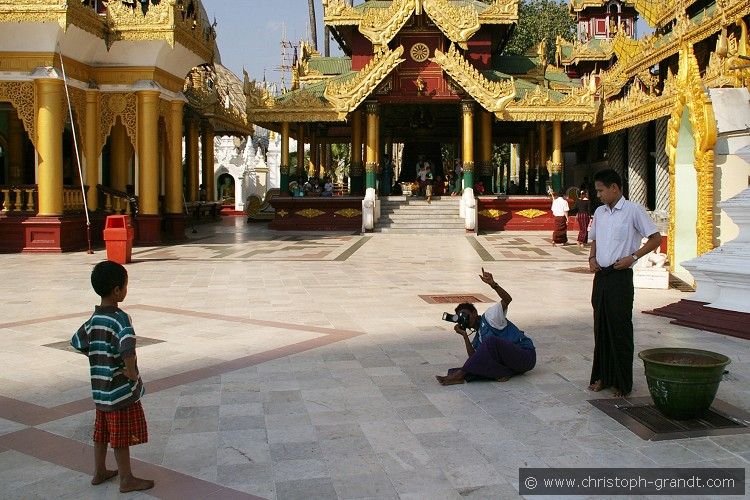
[{"x": 331, "y": 65}]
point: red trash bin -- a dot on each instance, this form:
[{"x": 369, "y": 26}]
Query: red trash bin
[{"x": 118, "y": 238}]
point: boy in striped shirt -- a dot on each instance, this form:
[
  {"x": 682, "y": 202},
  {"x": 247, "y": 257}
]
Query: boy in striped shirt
[{"x": 108, "y": 340}]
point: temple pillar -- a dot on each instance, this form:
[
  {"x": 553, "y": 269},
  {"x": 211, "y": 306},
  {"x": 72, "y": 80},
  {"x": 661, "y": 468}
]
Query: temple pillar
[
  {"x": 467, "y": 141},
  {"x": 637, "y": 163},
  {"x": 523, "y": 166},
  {"x": 532, "y": 163},
  {"x": 300, "y": 150},
  {"x": 15, "y": 149},
  {"x": 191, "y": 158},
  {"x": 514, "y": 161},
  {"x": 314, "y": 165},
  {"x": 616, "y": 153},
  {"x": 173, "y": 202},
  {"x": 373, "y": 126},
  {"x": 207, "y": 160},
  {"x": 120, "y": 154},
  {"x": 543, "y": 173},
  {"x": 284, "y": 166},
  {"x": 485, "y": 151},
  {"x": 90, "y": 150},
  {"x": 557, "y": 159},
  {"x": 49, "y": 130},
  {"x": 356, "y": 170},
  {"x": 662, "y": 167},
  {"x": 149, "y": 221}
]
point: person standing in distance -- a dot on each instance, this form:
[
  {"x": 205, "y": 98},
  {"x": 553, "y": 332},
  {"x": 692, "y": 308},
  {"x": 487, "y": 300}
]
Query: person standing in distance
[{"x": 616, "y": 233}]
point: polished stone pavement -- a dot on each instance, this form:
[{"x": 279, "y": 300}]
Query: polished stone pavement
[{"x": 301, "y": 365}]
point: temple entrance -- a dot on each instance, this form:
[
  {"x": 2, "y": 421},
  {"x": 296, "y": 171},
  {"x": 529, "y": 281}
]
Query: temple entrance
[
  {"x": 686, "y": 203},
  {"x": 417, "y": 152}
]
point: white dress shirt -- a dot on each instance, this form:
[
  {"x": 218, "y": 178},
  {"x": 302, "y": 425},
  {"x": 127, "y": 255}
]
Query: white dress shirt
[
  {"x": 618, "y": 232},
  {"x": 560, "y": 206}
]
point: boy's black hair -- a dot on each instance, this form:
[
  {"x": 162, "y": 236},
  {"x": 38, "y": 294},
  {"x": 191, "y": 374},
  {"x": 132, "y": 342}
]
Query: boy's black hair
[
  {"x": 608, "y": 177},
  {"x": 106, "y": 276},
  {"x": 466, "y": 305}
]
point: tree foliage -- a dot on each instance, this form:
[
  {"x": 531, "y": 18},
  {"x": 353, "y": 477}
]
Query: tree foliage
[{"x": 538, "y": 19}]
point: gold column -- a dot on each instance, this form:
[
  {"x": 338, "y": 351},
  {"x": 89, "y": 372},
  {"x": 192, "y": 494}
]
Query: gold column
[
  {"x": 467, "y": 137},
  {"x": 557, "y": 165},
  {"x": 373, "y": 158},
  {"x": 356, "y": 171},
  {"x": 301, "y": 149},
  {"x": 191, "y": 146},
  {"x": 543, "y": 174},
  {"x": 49, "y": 130},
  {"x": 15, "y": 149},
  {"x": 207, "y": 160},
  {"x": 284, "y": 167},
  {"x": 173, "y": 180},
  {"x": 120, "y": 152},
  {"x": 90, "y": 150},
  {"x": 148, "y": 151}
]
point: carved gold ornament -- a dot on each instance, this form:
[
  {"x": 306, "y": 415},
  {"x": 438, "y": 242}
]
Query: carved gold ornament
[
  {"x": 531, "y": 213},
  {"x": 21, "y": 96},
  {"x": 310, "y": 213},
  {"x": 419, "y": 52},
  {"x": 458, "y": 22},
  {"x": 492, "y": 213},
  {"x": 492, "y": 96},
  {"x": 349, "y": 212},
  {"x": 691, "y": 96},
  {"x": 578, "y": 105},
  {"x": 282, "y": 213},
  {"x": 347, "y": 96},
  {"x": 113, "y": 105}
]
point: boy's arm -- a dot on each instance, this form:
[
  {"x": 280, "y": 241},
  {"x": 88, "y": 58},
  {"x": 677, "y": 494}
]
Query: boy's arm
[
  {"x": 131, "y": 366},
  {"x": 80, "y": 340}
]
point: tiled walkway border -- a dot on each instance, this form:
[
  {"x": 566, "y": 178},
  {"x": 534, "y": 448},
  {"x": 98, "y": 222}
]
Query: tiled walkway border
[{"x": 78, "y": 456}]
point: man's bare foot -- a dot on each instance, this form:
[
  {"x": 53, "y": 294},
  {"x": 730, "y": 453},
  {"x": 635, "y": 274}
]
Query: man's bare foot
[
  {"x": 503, "y": 379},
  {"x": 100, "y": 478},
  {"x": 451, "y": 379},
  {"x": 597, "y": 386},
  {"x": 619, "y": 394},
  {"x": 135, "y": 484}
]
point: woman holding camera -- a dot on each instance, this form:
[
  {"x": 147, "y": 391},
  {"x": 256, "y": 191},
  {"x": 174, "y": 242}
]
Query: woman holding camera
[{"x": 499, "y": 349}]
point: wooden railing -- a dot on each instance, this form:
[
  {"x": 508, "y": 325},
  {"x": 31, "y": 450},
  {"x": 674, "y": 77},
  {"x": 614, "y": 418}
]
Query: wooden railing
[
  {"x": 117, "y": 202},
  {"x": 17, "y": 200}
]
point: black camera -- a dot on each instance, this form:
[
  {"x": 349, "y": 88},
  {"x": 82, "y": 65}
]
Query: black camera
[{"x": 461, "y": 319}]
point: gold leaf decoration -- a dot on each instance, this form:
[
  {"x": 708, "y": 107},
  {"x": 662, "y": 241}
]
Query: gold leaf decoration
[
  {"x": 531, "y": 213},
  {"x": 347, "y": 96},
  {"x": 492, "y": 213},
  {"x": 458, "y": 22},
  {"x": 349, "y": 212},
  {"x": 282, "y": 213},
  {"x": 310, "y": 212},
  {"x": 492, "y": 96}
]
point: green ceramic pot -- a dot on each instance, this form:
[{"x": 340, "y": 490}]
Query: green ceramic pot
[{"x": 683, "y": 382}]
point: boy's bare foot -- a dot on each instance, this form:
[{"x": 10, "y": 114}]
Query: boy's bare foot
[
  {"x": 100, "y": 478},
  {"x": 135, "y": 484},
  {"x": 597, "y": 386},
  {"x": 619, "y": 394},
  {"x": 503, "y": 379}
]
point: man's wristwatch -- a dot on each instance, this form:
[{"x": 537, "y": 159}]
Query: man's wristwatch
[{"x": 635, "y": 258}]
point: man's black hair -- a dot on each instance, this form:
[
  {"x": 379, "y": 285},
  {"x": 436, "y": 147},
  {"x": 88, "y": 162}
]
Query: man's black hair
[
  {"x": 465, "y": 305},
  {"x": 608, "y": 177},
  {"x": 106, "y": 276}
]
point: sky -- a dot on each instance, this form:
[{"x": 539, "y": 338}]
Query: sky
[{"x": 250, "y": 32}]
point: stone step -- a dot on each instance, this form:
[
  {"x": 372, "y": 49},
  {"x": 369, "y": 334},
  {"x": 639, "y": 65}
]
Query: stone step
[
  {"x": 419, "y": 217},
  {"x": 412, "y": 230},
  {"x": 421, "y": 225},
  {"x": 415, "y": 210}
]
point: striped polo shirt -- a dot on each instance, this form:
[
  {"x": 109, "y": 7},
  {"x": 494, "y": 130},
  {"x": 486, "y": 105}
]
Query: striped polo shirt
[{"x": 105, "y": 338}]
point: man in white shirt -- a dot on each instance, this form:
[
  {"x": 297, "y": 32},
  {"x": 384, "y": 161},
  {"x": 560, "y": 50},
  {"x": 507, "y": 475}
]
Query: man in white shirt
[
  {"x": 616, "y": 233},
  {"x": 560, "y": 209}
]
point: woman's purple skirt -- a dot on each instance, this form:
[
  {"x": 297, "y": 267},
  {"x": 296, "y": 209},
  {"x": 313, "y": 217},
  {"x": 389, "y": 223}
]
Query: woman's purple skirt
[
  {"x": 498, "y": 358},
  {"x": 583, "y": 219}
]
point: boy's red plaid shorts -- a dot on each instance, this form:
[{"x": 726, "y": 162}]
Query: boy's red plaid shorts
[{"x": 121, "y": 428}]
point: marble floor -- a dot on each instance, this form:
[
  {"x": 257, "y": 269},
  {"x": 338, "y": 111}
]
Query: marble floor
[{"x": 301, "y": 365}]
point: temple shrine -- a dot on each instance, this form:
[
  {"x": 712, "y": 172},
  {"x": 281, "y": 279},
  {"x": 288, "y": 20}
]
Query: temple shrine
[{"x": 419, "y": 80}]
